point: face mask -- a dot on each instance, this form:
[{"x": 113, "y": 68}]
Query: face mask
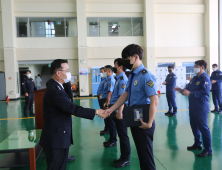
[
  {"x": 68, "y": 77},
  {"x": 170, "y": 71},
  {"x": 196, "y": 70},
  {"x": 105, "y": 75},
  {"x": 28, "y": 75},
  {"x": 101, "y": 74},
  {"x": 214, "y": 69},
  {"x": 115, "y": 70},
  {"x": 127, "y": 64}
]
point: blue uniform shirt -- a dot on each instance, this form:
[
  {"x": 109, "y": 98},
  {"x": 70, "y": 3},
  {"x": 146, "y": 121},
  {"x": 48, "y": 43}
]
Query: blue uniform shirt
[
  {"x": 200, "y": 91},
  {"x": 143, "y": 86},
  {"x": 217, "y": 75},
  {"x": 101, "y": 86},
  {"x": 108, "y": 86},
  {"x": 119, "y": 88},
  {"x": 171, "y": 82}
]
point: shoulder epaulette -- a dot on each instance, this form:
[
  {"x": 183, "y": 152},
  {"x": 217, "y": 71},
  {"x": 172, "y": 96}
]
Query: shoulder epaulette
[
  {"x": 144, "y": 71},
  {"x": 121, "y": 78}
]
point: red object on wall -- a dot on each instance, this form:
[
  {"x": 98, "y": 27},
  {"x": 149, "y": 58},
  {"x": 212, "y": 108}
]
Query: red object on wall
[{"x": 9, "y": 78}]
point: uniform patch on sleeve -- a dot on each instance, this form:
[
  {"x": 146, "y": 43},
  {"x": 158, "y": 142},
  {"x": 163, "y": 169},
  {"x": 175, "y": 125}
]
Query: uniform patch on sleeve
[
  {"x": 110, "y": 85},
  {"x": 144, "y": 71},
  {"x": 123, "y": 86},
  {"x": 206, "y": 82},
  {"x": 150, "y": 83}
]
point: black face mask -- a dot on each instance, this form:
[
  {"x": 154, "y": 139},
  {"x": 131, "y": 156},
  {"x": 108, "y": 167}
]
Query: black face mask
[
  {"x": 115, "y": 70},
  {"x": 170, "y": 71},
  {"x": 127, "y": 64}
]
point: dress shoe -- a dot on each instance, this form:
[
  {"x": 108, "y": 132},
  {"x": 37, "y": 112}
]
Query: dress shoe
[
  {"x": 168, "y": 113},
  {"x": 172, "y": 115},
  {"x": 117, "y": 160},
  {"x": 32, "y": 114},
  {"x": 104, "y": 132},
  {"x": 70, "y": 158},
  {"x": 122, "y": 164},
  {"x": 104, "y": 143},
  {"x": 194, "y": 147},
  {"x": 110, "y": 144},
  {"x": 204, "y": 153},
  {"x": 26, "y": 116},
  {"x": 214, "y": 110}
]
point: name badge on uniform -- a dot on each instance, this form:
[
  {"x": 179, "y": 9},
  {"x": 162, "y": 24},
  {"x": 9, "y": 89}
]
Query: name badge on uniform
[
  {"x": 138, "y": 113},
  {"x": 135, "y": 83},
  {"x": 170, "y": 77},
  {"x": 197, "y": 83}
]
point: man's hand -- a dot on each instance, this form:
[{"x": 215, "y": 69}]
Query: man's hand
[
  {"x": 189, "y": 78},
  {"x": 145, "y": 125},
  {"x": 101, "y": 113},
  {"x": 164, "y": 83},
  {"x": 26, "y": 94},
  {"x": 119, "y": 116},
  {"x": 186, "y": 92},
  {"x": 178, "y": 89},
  {"x": 213, "y": 81},
  {"x": 108, "y": 111}
]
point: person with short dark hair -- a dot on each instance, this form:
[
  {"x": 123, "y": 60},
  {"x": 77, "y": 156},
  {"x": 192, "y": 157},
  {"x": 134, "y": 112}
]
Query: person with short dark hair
[
  {"x": 106, "y": 95},
  {"x": 56, "y": 136},
  {"x": 170, "y": 83},
  {"x": 28, "y": 86},
  {"x": 216, "y": 80},
  {"x": 38, "y": 82},
  {"x": 198, "y": 91},
  {"x": 140, "y": 90}
]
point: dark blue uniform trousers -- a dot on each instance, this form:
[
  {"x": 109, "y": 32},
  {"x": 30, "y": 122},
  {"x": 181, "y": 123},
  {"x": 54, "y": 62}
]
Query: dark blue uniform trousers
[
  {"x": 171, "y": 96},
  {"x": 112, "y": 129},
  {"x": 56, "y": 159},
  {"x": 198, "y": 123},
  {"x": 123, "y": 137},
  {"x": 217, "y": 99},
  {"x": 143, "y": 139},
  {"x": 29, "y": 104},
  {"x": 105, "y": 121}
]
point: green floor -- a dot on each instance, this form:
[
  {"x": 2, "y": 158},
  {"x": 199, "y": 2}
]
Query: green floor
[{"x": 172, "y": 136}]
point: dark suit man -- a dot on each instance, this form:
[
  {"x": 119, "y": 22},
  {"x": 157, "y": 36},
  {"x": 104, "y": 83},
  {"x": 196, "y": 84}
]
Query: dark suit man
[{"x": 57, "y": 110}]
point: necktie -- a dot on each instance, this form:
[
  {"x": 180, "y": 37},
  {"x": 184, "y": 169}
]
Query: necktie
[{"x": 130, "y": 84}]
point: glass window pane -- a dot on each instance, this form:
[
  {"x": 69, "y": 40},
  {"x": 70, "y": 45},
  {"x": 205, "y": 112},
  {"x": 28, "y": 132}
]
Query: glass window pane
[
  {"x": 189, "y": 67},
  {"x": 92, "y": 27},
  {"x": 71, "y": 27},
  {"x": 137, "y": 26},
  {"x": 22, "y": 24},
  {"x": 165, "y": 64},
  {"x": 53, "y": 32}
]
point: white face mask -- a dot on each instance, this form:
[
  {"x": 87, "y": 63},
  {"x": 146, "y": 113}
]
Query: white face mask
[
  {"x": 105, "y": 75},
  {"x": 29, "y": 75},
  {"x": 196, "y": 70},
  {"x": 68, "y": 77},
  {"x": 214, "y": 69},
  {"x": 101, "y": 74},
  {"x": 31, "y": 133}
]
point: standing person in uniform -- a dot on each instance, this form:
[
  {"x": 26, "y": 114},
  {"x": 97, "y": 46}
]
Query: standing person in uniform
[
  {"x": 38, "y": 82},
  {"x": 170, "y": 83},
  {"x": 56, "y": 135},
  {"x": 216, "y": 80},
  {"x": 140, "y": 90},
  {"x": 107, "y": 93},
  {"x": 28, "y": 86},
  {"x": 99, "y": 96},
  {"x": 198, "y": 91},
  {"x": 119, "y": 88}
]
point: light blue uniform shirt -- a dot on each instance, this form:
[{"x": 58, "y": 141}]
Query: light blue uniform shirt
[
  {"x": 119, "y": 88},
  {"x": 101, "y": 86},
  {"x": 143, "y": 86},
  {"x": 108, "y": 86}
]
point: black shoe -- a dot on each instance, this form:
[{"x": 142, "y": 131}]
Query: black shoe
[
  {"x": 172, "y": 115},
  {"x": 219, "y": 112},
  {"x": 117, "y": 160},
  {"x": 122, "y": 164},
  {"x": 104, "y": 143},
  {"x": 204, "y": 153},
  {"x": 32, "y": 114},
  {"x": 214, "y": 110},
  {"x": 168, "y": 113},
  {"x": 26, "y": 116},
  {"x": 104, "y": 132},
  {"x": 110, "y": 144},
  {"x": 194, "y": 147},
  {"x": 70, "y": 158}
]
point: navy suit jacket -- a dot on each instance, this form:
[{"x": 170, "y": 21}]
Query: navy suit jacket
[{"x": 57, "y": 111}]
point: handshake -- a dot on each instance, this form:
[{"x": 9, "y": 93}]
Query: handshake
[{"x": 103, "y": 113}]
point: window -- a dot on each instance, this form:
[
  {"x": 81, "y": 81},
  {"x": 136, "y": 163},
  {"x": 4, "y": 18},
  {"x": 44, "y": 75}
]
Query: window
[
  {"x": 105, "y": 27},
  {"x": 46, "y": 27},
  {"x": 189, "y": 69},
  {"x": 165, "y": 64}
]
